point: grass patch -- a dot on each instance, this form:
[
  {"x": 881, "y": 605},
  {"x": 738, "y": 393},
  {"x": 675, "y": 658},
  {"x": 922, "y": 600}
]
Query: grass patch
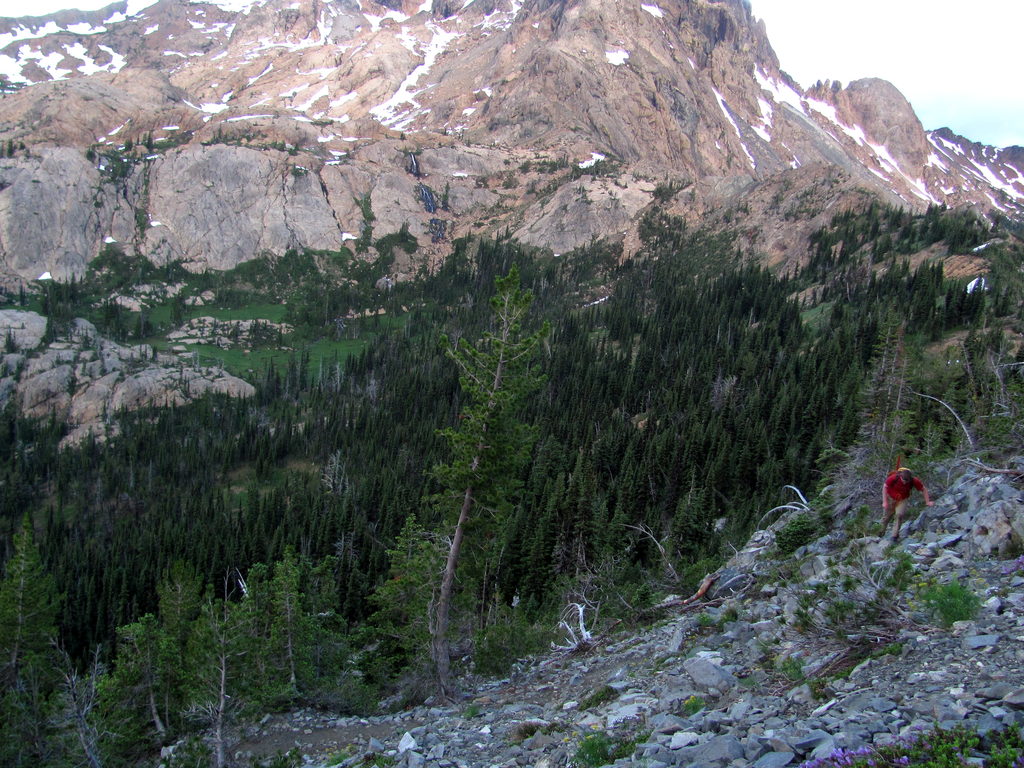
[
  {"x": 599, "y": 749},
  {"x": 602, "y": 695},
  {"x": 273, "y": 312},
  {"x": 250, "y": 363}
]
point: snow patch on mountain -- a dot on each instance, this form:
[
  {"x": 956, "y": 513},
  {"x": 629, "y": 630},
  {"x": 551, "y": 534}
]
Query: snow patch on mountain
[
  {"x": 402, "y": 108},
  {"x": 781, "y": 93},
  {"x": 617, "y": 57},
  {"x": 735, "y": 126},
  {"x": 232, "y": 6},
  {"x": 89, "y": 65}
]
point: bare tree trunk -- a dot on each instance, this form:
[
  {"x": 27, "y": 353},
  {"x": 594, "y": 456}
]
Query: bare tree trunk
[
  {"x": 155, "y": 713},
  {"x": 439, "y": 648},
  {"x": 81, "y": 700},
  {"x": 219, "y": 713}
]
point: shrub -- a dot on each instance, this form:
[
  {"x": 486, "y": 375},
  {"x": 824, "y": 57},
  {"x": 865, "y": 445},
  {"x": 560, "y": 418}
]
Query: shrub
[
  {"x": 796, "y": 533},
  {"x": 792, "y": 668},
  {"x": 595, "y": 750},
  {"x": 693, "y": 705},
  {"x": 950, "y": 603},
  {"x": 599, "y": 749},
  {"x": 498, "y": 646}
]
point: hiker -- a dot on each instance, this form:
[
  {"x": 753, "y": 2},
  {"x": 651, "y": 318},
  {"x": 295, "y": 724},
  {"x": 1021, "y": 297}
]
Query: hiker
[{"x": 895, "y": 494}]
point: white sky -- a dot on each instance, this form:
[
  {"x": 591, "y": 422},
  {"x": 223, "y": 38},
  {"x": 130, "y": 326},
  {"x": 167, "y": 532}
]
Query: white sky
[{"x": 957, "y": 63}]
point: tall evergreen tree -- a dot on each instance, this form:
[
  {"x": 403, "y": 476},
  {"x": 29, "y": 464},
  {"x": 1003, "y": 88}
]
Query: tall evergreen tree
[
  {"x": 220, "y": 642},
  {"x": 29, "y": 605},
  {"x": 490, "y": 445}
]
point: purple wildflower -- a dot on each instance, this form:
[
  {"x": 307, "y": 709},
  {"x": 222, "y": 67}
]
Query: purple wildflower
[{"x": 1016, "y": 565}]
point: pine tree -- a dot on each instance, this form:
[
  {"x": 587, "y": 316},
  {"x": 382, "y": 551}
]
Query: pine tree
[
  {"x": 29, "y": 607},
  {"x": 218, "y": 646},
  {"x": 131, "y": 694},
  {"x": 398, "y": 628},
  {"x": 290, "y": 630},
  {"x": 490, "y": 444}
]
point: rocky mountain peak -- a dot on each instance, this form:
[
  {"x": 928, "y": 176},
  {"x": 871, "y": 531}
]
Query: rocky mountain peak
[{"x": 682, "y": 92}]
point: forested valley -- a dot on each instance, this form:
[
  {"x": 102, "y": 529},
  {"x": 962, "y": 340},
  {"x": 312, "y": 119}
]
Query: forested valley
[{"x": 215, "y": 561}]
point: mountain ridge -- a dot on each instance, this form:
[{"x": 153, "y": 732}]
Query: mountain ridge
[{"x": 679, "y": 93}]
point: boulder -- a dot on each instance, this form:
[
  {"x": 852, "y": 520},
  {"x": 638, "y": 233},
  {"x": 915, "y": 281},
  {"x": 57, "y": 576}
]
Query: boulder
[
  {"x": 998, "y": 528},
  {"x": 707, "y": 675},
  {"x": 24, "y": 329}
]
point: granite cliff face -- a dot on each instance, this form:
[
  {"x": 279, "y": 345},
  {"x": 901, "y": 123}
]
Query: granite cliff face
[
  {"x": 214, "y": 133},
  {"x": 85, "y": 380}
]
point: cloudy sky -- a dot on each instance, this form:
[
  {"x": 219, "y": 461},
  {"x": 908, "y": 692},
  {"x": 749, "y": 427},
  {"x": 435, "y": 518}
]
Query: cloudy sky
[{"x": 958, "y": 63}]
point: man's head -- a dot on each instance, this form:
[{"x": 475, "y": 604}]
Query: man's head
[{"x": 906, "y": 475}]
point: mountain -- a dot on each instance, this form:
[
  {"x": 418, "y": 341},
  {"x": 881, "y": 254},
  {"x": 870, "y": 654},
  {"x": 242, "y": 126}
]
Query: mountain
[
  {"x": 213, "y": 133},
  {"x": 234, "y": 428}
]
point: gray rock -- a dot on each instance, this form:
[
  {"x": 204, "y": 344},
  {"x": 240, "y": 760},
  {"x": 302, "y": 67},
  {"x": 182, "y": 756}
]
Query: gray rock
[
  {"x": 719, "y": 749},
  {"x": 774, "y": 760},
  {"x": 683, "y": 739},
  {"x": 996, "y": 691},
  {"x": 407, "y": 742},
  {"x": 539, "y": 740},
  {"x": 811, "y": 741},
  {"x": 707, "y": 675},
  {"x": 26, "y": 329},
  {"x": 882, "y": 704},
  {"x": 999, "y": 528},
  {"x": 973, "y": 642},
  {"x": 665, "y": 722},
  {"x": 1015, "y": 698}
]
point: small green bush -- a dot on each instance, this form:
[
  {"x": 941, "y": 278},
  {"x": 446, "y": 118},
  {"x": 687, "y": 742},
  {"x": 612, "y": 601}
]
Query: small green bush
[
  {"x": 498, "y": 646},
  {"x": 792, "y": 668},
  {"x": 950, "y": 603},
  {"x": 595, "y": 750},
  {"x": 801, "y": 530},
  {"x": 693, "y": 705},
  {"x": 599, "y": 749}
]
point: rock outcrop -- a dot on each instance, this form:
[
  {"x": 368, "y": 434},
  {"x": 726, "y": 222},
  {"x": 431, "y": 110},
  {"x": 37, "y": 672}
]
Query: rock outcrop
[{"x": 84, "y": 380}]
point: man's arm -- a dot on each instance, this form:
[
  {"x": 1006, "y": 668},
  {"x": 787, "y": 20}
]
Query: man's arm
[{"x": 920, "y": 486}]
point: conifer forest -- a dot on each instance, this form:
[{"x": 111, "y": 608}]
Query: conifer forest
[{"x": 215, "y": 561}]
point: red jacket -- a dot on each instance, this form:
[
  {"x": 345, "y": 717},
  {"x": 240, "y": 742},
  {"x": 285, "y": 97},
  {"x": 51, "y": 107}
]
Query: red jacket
[{"x": 898, "y": 490}]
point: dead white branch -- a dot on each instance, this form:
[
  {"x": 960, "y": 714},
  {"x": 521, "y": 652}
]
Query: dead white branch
[
  {"x": 649, "y": 534},
  {"x": 577, "y": 638},
  {"x": 794, "y": 506},
  {"x": 948, "y": 407}
]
